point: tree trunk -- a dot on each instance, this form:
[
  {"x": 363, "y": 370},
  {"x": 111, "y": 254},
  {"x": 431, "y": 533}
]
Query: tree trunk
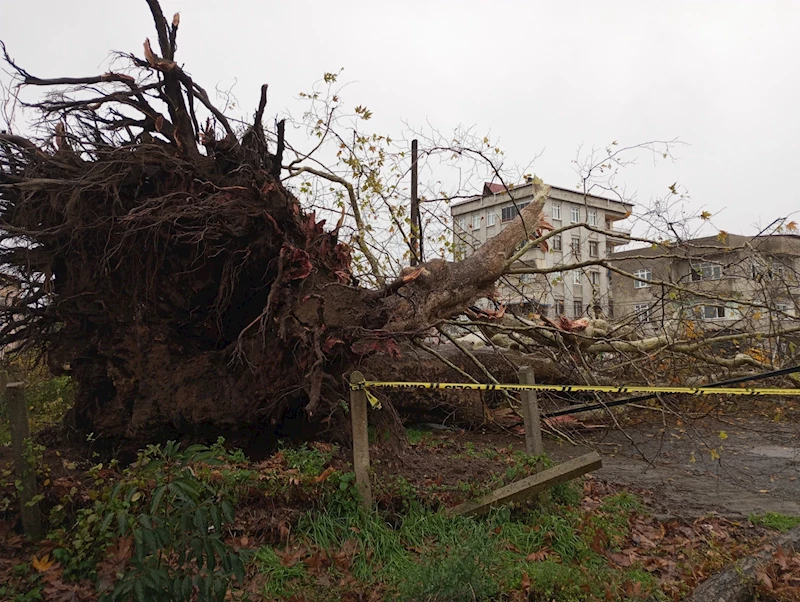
[{"x": 736, "y": 583}]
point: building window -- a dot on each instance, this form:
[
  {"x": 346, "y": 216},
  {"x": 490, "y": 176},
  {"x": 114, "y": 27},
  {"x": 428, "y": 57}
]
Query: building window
[
  {"x": 577, "y": 308},
  {"x": 555, "y": 211},
  {"x": 591, "y": 217},
  {"x": 576, "y": 276},
  {"x": 557, "y": 242},
  {"x": 575, "y": 247},
  {"x": 610, "y": 309},
  {"x": 715, "y": 312},
  {"x": 644, "y": 274},
  {"x": 526, "y": 278},
  {"x": 761, "y": 270},
  {"x": 559, "y": 307},
  {"x": 491, "y": 218},
  {"x": 593, "y": 248},
  {"x": 574, "y": 215},
  {"x": 461, "y": 222},
  {"x": 510, "y": 212},
  {"x": 706, "y": 271},
  {"x": 594, "y": 278},
  {"x": 642, "y": 311},
  {"x": 476, "y": 221},
  {"x": 782, "y": 306}
]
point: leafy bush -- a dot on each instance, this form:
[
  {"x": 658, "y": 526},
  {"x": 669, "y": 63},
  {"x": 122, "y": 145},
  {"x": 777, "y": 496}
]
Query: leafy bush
[
  {"x": 166, "y": 526},
  {"x": 49, "y": 400}
]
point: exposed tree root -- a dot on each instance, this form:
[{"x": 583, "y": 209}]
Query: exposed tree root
[{"x": 155, "y": 254}]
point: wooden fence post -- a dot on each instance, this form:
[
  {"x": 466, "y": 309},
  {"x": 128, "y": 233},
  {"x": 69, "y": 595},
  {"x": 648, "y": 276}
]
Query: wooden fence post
[
  {"x": 31, "y": 514},
  {"x": 358, "y": 415},
  {"x": 530, "y": 414}
]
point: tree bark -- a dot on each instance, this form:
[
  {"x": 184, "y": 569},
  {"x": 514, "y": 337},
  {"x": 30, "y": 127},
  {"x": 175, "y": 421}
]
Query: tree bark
[{"x": 736, "y": 583}]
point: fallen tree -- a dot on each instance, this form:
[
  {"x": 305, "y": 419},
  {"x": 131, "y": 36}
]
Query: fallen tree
[
  {"x": 739, "y": 581},
  {"x": 156, "y": 255}
]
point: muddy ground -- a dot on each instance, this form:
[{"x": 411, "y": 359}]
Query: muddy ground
[
  {"x": 734, "y": 466},
  {"x": 744, "y": 462}
]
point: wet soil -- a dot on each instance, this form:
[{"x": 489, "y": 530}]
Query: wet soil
[{"x": 733, "y": 465}]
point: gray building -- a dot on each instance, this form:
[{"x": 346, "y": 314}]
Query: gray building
[
  {"x": 552, "y": 291},
  {"x": 728, "y": 281}
]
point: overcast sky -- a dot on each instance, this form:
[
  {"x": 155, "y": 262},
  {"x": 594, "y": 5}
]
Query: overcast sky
[{"x": 724, "y": 77}]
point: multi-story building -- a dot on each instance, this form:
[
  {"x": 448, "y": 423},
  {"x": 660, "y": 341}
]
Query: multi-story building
[
  {"x": 590, "y": 222},
  {"x": 727, "y": 281}
]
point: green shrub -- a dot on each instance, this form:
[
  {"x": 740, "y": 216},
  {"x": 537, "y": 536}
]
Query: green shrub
[{"x": 175, "y": 522}]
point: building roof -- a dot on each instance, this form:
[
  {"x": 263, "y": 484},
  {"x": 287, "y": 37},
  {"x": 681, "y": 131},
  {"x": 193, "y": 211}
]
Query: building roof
[
  {"x": 493, "y": 188},
  {"x": 769, "y": 243}
]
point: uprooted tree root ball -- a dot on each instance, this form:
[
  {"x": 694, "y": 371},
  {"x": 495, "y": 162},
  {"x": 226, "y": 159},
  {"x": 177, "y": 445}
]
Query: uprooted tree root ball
[{"x": 150, "y": 249}]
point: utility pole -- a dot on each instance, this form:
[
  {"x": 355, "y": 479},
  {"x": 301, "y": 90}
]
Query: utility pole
[{"x": 416, "y": 220}]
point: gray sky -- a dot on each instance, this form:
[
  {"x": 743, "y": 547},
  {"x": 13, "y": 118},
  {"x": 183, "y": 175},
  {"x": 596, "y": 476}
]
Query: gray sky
[{"x": 723, "y": 76}]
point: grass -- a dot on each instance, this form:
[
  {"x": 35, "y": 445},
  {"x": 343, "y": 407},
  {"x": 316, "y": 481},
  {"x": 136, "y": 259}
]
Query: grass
[
  {"x": 427, "y": 439},
  {"x": 282, "y": 580},
  {"x": 415, "y": 551},
  {"x": 775, "y": 521},
  {"x": 416, "y": 436},
  {"x": 424, "y": 554}
]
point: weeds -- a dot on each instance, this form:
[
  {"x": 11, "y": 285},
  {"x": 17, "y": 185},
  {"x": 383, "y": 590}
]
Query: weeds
[
  {"x": 773, "y": 520},
  {"x": 308, "y": 461}
]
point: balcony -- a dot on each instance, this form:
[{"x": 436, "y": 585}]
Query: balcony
[{"x": 617, "y": 234}]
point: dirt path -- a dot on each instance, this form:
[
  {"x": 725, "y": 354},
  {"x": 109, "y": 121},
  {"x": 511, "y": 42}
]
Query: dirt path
[{"x": 734, "y": 467}]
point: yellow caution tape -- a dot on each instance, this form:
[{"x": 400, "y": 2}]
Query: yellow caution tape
[
  {"x": 374, "y": 384},
  {"x": 373, "y": 401}
]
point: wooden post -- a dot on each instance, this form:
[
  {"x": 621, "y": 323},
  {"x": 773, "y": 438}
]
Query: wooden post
[
  {"x": 358, "y": 415},
  {"x": 20, "y": 433},
  {"x": 529, "y": 487},
  {"x": 530, "y": 414},
  {"x": 416, "y": 220}
]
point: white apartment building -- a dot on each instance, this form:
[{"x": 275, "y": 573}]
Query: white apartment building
[{"x": 552, "y": 292}]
